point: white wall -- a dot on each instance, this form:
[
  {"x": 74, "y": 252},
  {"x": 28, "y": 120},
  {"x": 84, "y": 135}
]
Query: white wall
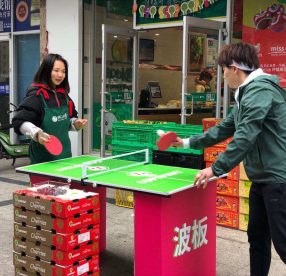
[{"x": 64, "y": 26}]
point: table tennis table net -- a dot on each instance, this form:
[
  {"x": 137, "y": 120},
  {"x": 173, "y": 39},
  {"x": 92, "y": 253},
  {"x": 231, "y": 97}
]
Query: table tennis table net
[{"x": 115, "y": 163}]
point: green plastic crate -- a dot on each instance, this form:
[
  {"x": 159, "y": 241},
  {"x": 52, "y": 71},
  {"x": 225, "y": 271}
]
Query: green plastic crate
[
  {"x": 142, "y": 133},
  {"x": 183, "y": 131}
]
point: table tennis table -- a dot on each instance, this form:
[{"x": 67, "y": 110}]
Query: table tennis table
[{"x": 174, "y": 222}]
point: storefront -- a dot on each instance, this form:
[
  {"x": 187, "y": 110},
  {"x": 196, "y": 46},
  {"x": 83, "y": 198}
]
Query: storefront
[
  {"x": 157, "y": 65},
  {"x": 154, "y": 37}
]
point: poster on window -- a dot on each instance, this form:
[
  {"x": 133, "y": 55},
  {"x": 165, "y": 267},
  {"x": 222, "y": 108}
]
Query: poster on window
[
  {"x": 27, "y": 15},
  {"x": 196, "y": 52},
  {"x": 264, "y": 25},
  {"x": 212, "y": 52},
  {"x": 5, "y": 16}
]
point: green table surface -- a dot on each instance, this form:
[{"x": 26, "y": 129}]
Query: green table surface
[{"x": 150, "y": 178}]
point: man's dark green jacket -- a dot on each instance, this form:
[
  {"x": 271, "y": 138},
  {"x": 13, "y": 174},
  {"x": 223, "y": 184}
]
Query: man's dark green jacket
[{"x": 258, "y": 126}]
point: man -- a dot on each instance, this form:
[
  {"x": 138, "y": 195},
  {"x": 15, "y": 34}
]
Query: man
[{"x": 258, "y": 126}]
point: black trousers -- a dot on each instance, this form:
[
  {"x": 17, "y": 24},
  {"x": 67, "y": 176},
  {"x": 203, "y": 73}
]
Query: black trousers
[{"x": 267, "y": 221}]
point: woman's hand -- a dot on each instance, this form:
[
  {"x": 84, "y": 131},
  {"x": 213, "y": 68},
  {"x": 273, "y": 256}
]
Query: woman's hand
[
  {"x": 42, "y": 137},
  {"x": 80, "y": 123},
  {"x": 203, "y": 176}
]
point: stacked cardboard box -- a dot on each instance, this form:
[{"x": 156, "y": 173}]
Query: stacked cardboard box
[
  {"x": 227, "y": 202},
  {"x": 244, "y": 188},
  {"x": 56, "y": 231}
]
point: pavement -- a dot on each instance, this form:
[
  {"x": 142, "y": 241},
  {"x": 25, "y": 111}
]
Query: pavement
[{"x": 232, "y": 246}]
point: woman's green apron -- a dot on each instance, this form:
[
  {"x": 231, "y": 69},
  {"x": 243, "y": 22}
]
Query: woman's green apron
[{"x": 56, "y": 122}]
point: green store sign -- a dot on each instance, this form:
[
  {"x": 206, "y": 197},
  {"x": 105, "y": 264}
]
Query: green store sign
[{"x": 166, "y": 11}]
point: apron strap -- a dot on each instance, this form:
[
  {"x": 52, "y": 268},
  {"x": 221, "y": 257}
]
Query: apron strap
[{"x": 44, "y": 101}]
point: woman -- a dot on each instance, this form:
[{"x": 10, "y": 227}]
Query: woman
[
  {"x": 48, "y": 109},
  {"x": 203, "y": 81}
]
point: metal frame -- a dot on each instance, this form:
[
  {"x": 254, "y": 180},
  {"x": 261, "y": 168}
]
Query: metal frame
[
  {"x": 126, "y": 32},
  {"x": 201, "y": 23},
  {"x": 229, "y": 17}
]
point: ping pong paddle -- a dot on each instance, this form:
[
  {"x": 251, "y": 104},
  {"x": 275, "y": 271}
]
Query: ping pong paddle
[
  {"x": 166, "y": 139},
  {"x": 54, "y": 145}
]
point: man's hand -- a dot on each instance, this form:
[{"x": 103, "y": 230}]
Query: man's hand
[
  {"x": 203, "y": 176},
  {"x": 178, "y": 143},
  {"x": 80, "y": 123}
]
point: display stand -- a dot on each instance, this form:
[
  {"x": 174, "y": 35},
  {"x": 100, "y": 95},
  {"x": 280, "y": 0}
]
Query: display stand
[{"x": 174, "y": 222}]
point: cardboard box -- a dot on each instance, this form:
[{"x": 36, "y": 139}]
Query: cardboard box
[
  {"x": 242, "y": 173},
  {"x": 57, "y": 240},
  {"x": 224, "y": 143},
  {"x": 226, "y": 218},
  {"x": 232, "y": 175},
  {"x": 63, "y": 205},
  {"x": 244, "y": 187},
  {"x": 227, "y": 187},
  {"x": 37, "y": 267},
  {"x": 228, "y": 203},
  {"x": 243, "y": 222},
  {"x": 244, "y": 205},
  {"x": 60, "y": 225},
  {"x": 209, "y": 122},
  {"x": 56, "y": 256},
  {"x": 212, "y": 153},
  {"x": 21, "y": 272}
]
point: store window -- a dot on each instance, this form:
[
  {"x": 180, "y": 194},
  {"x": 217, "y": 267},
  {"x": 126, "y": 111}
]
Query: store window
[
  {"x": 27, "y": 49},
  {"x": 19, "y": 51},
  {"x": 4, "y": 82}
]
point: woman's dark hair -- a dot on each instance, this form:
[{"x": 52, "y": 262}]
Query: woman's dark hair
[
  {"x": 240, "y": 53},
  {"x": 43, "y": 75},
  {"x": 205, "y": 75}
]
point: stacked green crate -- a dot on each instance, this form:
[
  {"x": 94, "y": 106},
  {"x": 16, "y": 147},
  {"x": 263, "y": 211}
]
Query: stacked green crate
[
  {"x": 183, "y": 131},
  {"x": 129, "y": 136}
]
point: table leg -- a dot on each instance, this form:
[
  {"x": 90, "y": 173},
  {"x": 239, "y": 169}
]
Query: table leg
[{"x": 175, "y": 235}]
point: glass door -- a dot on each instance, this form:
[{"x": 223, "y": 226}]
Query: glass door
[
  {"x": 118, "y": 81},
  {"x": 4, "y": 80},
  {"x": 199, "y": 38}
]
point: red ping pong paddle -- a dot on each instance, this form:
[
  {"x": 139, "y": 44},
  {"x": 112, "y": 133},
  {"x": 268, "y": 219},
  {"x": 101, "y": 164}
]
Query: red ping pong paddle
[
  {"x": 54, "y": 145},
  {"x": 166, "y": 139}
]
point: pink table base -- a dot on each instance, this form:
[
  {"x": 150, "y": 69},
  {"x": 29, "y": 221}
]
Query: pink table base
[{"x": 155, "y": 220}]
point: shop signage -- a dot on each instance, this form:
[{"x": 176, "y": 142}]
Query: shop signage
[
  {"x": 190, "y": 237},
  {"x": 264, "y": 25},
  {"x": 166, "y": 11},
  {"x": 27, "y": 15},
  {"x": 5, "y": 16}
]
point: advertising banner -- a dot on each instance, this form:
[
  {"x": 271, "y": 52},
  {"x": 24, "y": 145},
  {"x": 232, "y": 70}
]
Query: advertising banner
[
  {"x": 264, "y": 25},
  {"x": 27, "y": 15},
  {"x": 157, "y": 12},
  {"x": 5, "y": 16}
]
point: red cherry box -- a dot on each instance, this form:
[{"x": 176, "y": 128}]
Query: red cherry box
[
  {"x": 32, "y": 266},
  {"x": 56, "y": 240},
  {"x": 56, "y": 256},
  {"x": 52, "y": 223},
  {"x": 57, "y": 200}
]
